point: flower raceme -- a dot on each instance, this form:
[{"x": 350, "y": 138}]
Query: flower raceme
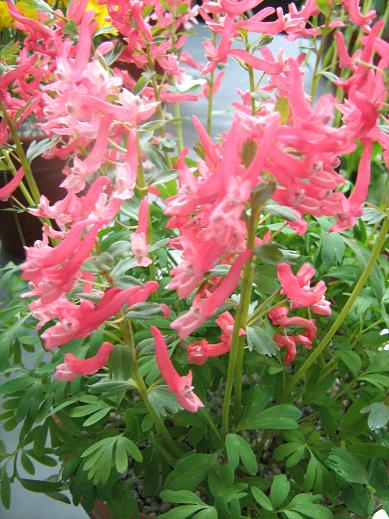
[
  {"x": 200, "y": 351},
  {"x": 73, "y": 366},
  {"x": 81, "y": 320},
  {"x": 297, "y": 287},
  {"x": 181, "y": 386},
  {"x": 203, "y": 309}
]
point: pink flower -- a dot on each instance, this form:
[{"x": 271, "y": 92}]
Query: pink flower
[
  {"x": 200, "y": 351},
  {"x": 11, "y": 187},
  {"x": 297, "y": 288},
  {"x": 279, "y": 316},
  {"x": 79, "y": 321},
  {"x": 181, "y": 386},
  {"x": 139, "y": 238},
  {"x": 352, "y": 7},
  {"x": 290, "y": 342},
  {"x": 346, "y": 218},
  {"x": 73, "y": 366},
  {"x": 203, "y": 309}
]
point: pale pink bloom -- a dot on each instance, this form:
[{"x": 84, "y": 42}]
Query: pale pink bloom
[
  {"x": 73, "y": 366},
  {"x": 297, "y": 287},
  {"x": 139, "y": 237},
  {"x": 7, "y": 191},
  {"x": 323, "y": 307},
  {"x": 126, "y": 173},
  {"x": 181, "y": 386}
]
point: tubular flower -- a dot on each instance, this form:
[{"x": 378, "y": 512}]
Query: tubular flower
[
  {"x": 73, "y": 366},
  {"x": 297, "y": 287},
  {"x": 79, "y": 321},
  {"x": 139, "y": 238},
  {"x": 181, "y": 386},
  {"x": 204, "y": 308},
  {"x": 290, "y": 343},
  {"x": 200, "y": 351},
  {"x": 11, "y": 187}
]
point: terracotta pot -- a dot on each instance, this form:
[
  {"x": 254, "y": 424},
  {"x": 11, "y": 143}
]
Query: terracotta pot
[
  {"x": 18, "y": 229},
  {"x": 101, "y": 511}
]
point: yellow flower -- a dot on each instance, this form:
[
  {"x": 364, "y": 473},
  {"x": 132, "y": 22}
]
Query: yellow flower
[
  {"x": 5, "y": 17},
  {"x": 101, "y": 14}
]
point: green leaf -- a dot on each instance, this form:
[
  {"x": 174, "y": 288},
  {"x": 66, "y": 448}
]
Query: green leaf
[
  {"x": 351, "y": 359},
  {"x": 163, "y": 401},
  {"x": 207, "y": 513},
  {"x": 262, "y": 499},
  {"x": 237, "y": 447},
  {"x": 96, "y": 417},
  {"x": 189, "y": 472},
  {"x": 9, "y": 52},
  {"x": 110, "y": 386},
  {"x": 257, "y": 399},
  {"x": 259, "y": 340},
  {"x": 269, "y": 253},
  {"x": 121, "y": 456},
  {"x": 5, "y": 490},
  {"x": 46, "y": 487},
  {"x": 378, "y": 415},
  {"x": 279, "y": 490},
  {"x": 181, "y": 512},
  {"x": 282, "y": 107},
  {"x": 282, "y": 211},
  {"x": 27, "y": 464},
  {"x": 38, "y": 148},
  {"x": 16, "y": 384},
  {"x": 292, "y": 515},
  {"x": 347, "y": 466},
  {"x": 282, "y": 416},
  {"x": 324, "y": 6},
  {"x": 181, "y": 496},
  {"x": 144, "y": 310}
]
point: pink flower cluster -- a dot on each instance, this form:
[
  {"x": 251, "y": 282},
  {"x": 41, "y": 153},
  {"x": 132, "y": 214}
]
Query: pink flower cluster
[{"x": 298, "y": 290}]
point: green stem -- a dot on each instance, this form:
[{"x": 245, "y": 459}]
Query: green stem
[
  {"x": 263, "y": 305},
  {"x": 252, "y": 89},
  {"x": 22, "y": 187},
  {"x": 142, "y": 389},
  {"x": 211, "y": 83},
  {"x": 178, "y": 124},
  {"x": 248, "y": 278},
  {"x": 255, "y": 317},
  {"x": 204, "y": 412},
  {"x": 379, "y": 244},
  {"x": 22, "y": 156},
  {"x": 236, "y": 356}
]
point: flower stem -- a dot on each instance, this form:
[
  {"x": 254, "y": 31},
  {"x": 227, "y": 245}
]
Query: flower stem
[
  {"x": 142, "y": 389},
  {"x": 211, "y": 83},
  {"x": 379, "y": 244},
  {"x": 34, "y": 190},
  {"x": 235, "y": 361}
]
